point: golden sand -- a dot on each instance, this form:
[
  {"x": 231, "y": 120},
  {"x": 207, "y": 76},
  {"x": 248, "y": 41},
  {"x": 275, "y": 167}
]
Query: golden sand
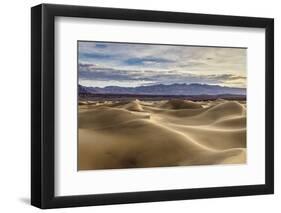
[{"x": 140, "y": 134}]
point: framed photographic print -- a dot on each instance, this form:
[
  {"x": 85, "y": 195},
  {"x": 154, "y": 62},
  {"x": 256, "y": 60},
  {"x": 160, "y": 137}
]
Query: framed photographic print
[{"x": 139, "y": 106}]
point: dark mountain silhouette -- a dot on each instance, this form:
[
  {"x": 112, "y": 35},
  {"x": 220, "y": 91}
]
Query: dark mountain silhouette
[{"x": 161, "y": 89}]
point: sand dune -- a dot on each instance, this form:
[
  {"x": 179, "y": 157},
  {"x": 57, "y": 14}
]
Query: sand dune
[
  {"x": 139, "y": 134},
  {"x": 181, "y": 104}
]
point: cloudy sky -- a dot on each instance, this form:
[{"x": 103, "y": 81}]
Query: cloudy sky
[{"x": 103, "y": 64}]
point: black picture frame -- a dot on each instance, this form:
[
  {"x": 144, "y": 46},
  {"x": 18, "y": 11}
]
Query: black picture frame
[{"x": 43, "y": 117}]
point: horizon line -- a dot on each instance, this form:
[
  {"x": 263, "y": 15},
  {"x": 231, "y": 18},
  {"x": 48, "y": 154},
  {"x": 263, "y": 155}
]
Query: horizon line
[{"x": 165, "y": 85}]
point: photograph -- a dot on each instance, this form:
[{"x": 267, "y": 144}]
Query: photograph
[
  {"x": 138, "y": 105},
  {"x": 146, "y": 105}
]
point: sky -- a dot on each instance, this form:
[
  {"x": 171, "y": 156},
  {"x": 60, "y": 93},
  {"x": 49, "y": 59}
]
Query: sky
[{"x": 102, "y": 64}]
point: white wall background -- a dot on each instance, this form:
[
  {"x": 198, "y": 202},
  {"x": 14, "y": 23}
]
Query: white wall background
[{"x": 15, "y": 105}]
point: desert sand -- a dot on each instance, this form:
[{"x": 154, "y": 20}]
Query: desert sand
[{"x": 138, "y": 134}]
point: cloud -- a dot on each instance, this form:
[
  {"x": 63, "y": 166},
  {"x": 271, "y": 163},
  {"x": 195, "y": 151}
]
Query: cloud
[
  {"x": 94, "y": 73},
  {"x": 144, "y": 63},
  {"x": 101, "y": 45},
  {"x": 224, "y": 77},
  {"x": 147, "y": 60},
  {"x": 96, "y": 56}
]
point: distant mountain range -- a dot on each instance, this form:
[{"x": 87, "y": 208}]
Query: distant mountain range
[{"x": 161, "y": 89}]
